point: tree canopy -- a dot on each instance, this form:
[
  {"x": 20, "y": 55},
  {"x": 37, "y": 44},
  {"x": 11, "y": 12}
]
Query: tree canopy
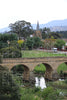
[
  {"x": 59, "y": 43},
  {"x": 22, "y": 28}
]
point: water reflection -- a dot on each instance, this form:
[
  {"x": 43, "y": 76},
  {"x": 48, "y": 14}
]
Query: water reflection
[{"x": 40, "y": 82}]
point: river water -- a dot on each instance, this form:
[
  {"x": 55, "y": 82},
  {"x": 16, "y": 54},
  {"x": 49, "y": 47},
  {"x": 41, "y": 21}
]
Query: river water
[{"x": 40, "y": 82}]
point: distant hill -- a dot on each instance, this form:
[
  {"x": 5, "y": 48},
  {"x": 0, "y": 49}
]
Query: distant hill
[
  {"x": 58, "y": 28},
  {"x": 55, "y": 25}
]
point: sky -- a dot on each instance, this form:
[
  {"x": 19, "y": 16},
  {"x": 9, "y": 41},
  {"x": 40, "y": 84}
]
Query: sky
[{"x": 32, "y": 11}]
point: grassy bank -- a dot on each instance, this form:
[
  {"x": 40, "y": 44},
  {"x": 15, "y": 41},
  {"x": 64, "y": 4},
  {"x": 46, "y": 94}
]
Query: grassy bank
[{"x": 36, "y": 53}]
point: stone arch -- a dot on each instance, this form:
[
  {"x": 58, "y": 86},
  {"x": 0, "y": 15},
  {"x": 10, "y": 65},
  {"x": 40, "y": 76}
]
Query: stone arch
[
  {"x": 62, "y": 69},
  {"x": 26, "y": 72},
  {"x": 48, "y": 73}
]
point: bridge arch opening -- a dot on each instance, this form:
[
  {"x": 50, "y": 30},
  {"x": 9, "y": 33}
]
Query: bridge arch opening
[
  {"x": 44, "y": 68},
  {"x": 62, "y": 70},
  {"x": 21, "y": 70}
]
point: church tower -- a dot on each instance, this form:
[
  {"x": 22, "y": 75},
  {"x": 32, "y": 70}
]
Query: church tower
[
  {"x": 38, "y": 32},
  {"x": 37, "y": 25}
]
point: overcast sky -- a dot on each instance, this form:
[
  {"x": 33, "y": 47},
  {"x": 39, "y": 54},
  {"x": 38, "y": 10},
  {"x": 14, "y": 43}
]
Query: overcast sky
[{"x": 31, "y": 11}]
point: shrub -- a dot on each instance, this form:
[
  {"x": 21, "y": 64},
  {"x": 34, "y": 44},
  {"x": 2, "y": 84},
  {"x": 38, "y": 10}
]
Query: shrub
[
  {"x": 66, "y": 81},
  {"x": 50, "y": 94},
  {"x": 46, "y": 92},
  {"x": 20, "y": 42},
  {"x": 9, "y": 90},
  {"x": 11, "y": 52}
]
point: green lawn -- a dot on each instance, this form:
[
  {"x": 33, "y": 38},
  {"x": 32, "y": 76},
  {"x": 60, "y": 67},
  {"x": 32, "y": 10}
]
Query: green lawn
[{"x": 35, "y": 53}]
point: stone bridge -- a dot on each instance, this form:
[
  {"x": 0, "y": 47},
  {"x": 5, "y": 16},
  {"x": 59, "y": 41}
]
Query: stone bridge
[{"x": 51, "y": 64}]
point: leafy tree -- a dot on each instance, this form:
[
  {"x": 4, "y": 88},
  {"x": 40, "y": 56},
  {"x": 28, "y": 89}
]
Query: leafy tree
[
  {"x": 9, "y": 90},
  {"x": 45, "y": 32},
  {"x": 5, "y": 37},
  {"x": 11, "y": 52},
  {"x": 37, "y": 42},
  {"x": 22, "y": 28},
  {"x": 33, "y": 42},
  {"x": 59, "y": 43},
  {"x": 30, "y": 42},
  {"x": 55, "y": 35}
]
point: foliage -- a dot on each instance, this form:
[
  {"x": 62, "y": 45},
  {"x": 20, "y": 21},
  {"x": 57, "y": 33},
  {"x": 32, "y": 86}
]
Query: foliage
[
  {"x": 20, "y": 42},
  {"x": 29, "y": 94},
  {"x": 49, "y": 43},
  {"x": 33, "y": 42},
  {"x": 1, "y": 58},
  {"x": 55, "y": 35},
  {"x": 66, "y": 81},
  {"x": 30, "y": 43},
  {"x": 11, "y": 52},
  {"x": 50, "y": 94},
  {"x": 14, "y": 44},
  {"x": 62, "y": 33},
  {"x": 37, "y": 42},
  {"x": 62, "y": 67},
  {"x": 59, "y": 43},
  {"x": 40, "y": 69},
  {"x": 18, "y": 69},
  {"x": 5, "y": 37},
  {"x": 22, "y": 28},
  {"x": 60, "y": 84},
  {"x": 45, "y": 32},
  {"x": 9, "y": 90}
]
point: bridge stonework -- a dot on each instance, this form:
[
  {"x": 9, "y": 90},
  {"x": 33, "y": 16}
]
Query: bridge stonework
[{"x": 51, "y": 64}]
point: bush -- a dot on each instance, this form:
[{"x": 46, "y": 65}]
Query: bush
[
  {"x": 66, "y": 81},
  {"x": 9, "y": 90},
  {"x": 4, "y": 38},
  {"x": 50, "y": 94},
  {"x": 46, "y": 92},
  {"x": 11, "y": 52}
]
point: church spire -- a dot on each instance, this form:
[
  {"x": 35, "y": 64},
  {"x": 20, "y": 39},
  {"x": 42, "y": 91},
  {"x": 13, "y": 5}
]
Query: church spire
[{"x": 37, "y": 25}]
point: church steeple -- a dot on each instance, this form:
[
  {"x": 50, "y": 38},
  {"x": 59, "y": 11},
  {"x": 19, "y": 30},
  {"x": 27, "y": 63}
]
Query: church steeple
[
  {"x": 38, "y": 32},
  {"x": 37, "y": 25}
]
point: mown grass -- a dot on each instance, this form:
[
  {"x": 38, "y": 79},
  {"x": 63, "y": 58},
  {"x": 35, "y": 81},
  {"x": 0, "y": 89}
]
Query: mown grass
[{"x": 36, "y": 53}]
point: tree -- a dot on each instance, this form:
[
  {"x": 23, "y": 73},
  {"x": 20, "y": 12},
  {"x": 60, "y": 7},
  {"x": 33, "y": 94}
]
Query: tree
[
  {"x": 37, "y": 42},
  {"x": 5, "y": 37},
  {"x": 33, "y": 42},
  {"x": 30, "y": 43},
  {"x": 22, "y": 28},
  {"x": 45, "y": 32},
  {"x": 59, "y": 43},
  {"x": 9, "y": 90},
  {"x": 11, "y": 52},
  {"x": 55, "y": 35}
]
